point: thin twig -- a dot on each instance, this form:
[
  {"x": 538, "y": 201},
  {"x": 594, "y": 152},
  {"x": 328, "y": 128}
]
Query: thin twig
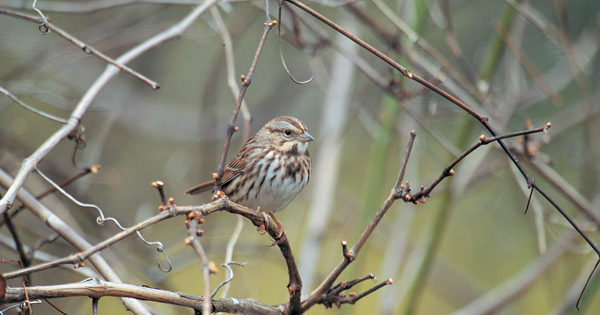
[
  {"x": 30, "y": 163},
  {"x": 195, "y": 243},
  {"x": 285, "y": 67},
  {"x": 448, "y": 170},
  {"x": 102, "y": 219},
  {"x": 527, "y": 64},
  {"x": 67, "y": 233},
  {"x": 31, "y": 108},
  {"x": 246, "y": 81},
  {"x": 88, "y": 170},
  {"x": 91, "y": 250},
  {"x": 230, "y": 277},
  {"x": 350, "y": 255},
  {"x": 411, "y": 141},
  {"x": 88, "y": 49},
  {"x": 482, "y": 119},
  {"x": 44, "y": 26}
]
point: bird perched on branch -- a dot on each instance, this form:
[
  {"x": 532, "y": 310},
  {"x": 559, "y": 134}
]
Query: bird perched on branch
[{"x": 270, "y": 169}]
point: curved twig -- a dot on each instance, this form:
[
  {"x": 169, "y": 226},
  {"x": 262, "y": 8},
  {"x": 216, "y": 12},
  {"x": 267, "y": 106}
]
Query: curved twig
[{"x": 287, "y": 70}]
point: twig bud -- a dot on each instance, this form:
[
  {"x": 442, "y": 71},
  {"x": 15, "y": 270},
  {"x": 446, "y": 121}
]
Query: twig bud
[
  {"x": 95, "y": 168},
  {"x": 157, "y": 184},
  {"x": 244, "y": 80},
  {"x": 212, "y": 268}
]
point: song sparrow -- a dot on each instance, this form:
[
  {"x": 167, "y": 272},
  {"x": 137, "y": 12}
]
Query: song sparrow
[{"x": 271, "y": 168}]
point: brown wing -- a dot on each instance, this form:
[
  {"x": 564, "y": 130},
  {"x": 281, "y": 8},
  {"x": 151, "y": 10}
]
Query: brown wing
[{"x": 234, "y": 169}]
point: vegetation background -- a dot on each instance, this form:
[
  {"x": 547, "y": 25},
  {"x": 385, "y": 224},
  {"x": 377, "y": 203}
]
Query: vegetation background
[{"x": 470, "y": 246}]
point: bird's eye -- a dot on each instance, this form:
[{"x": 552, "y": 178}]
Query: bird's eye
[{"x": 287, "y": 132}]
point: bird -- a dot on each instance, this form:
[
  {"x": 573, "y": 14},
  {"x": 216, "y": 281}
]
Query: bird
[{"x": 270, "y": 170}]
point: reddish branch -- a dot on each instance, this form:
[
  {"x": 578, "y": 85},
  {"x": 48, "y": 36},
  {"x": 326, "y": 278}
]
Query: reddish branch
[
  {"x": 192, "y": 240},
  {"x": 246, "y": 80},
  {"x": 262, "y": 222},
  {"x": 83, "y": 46},
  {"x": 448, "y": 171},
  {"x": 325, "y": 288},
  {"x": 481, "y": 118}
]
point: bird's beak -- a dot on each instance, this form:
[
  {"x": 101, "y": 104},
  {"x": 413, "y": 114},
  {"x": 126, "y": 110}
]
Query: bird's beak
[{"x": 305, "y": 137}]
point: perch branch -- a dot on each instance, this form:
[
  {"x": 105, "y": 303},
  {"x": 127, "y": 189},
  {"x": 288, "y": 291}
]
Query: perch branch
[
  {"x": 261, "y": 221},
  {"x": 96, "y": 288}
]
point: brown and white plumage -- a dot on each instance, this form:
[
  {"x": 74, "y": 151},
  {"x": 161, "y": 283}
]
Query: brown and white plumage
[{"x": 271, "y": 168}]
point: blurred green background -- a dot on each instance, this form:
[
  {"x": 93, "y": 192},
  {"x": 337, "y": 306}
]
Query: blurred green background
[{"x": 470, "y": 243}]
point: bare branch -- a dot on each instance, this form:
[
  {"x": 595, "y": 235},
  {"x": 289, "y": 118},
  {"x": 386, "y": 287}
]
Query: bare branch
[
  {"x": 66, "y": 232},
  {"x": 31, "y": 108},
  {"x": 246, "y": 80},
  {"x": 46, "y": 27},
  {"x": 193, "y": 240},
  {"x": 96, "y": 288},
  {"x": 351, "y": 255},
  {"x": 30, "y": 163}
]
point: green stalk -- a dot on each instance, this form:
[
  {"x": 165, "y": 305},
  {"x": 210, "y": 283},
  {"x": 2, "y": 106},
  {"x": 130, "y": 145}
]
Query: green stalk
[
  {"x": 496, "y": 48},
  {"x": 377, "y": 162},
  {"x": 438, "y": 228}
]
